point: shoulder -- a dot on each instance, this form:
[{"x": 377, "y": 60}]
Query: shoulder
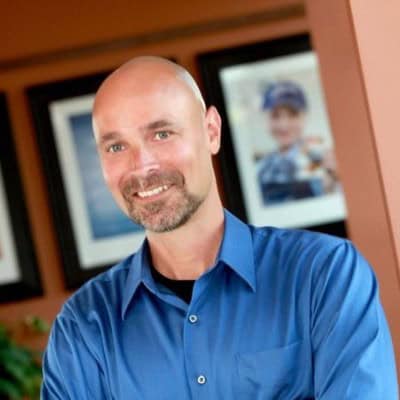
[
  {"x": 313, "y": 254},
  {"x": 103, "y": 292},
  {"x": 90, "y": 314},
  {"x": 292, "y": 241},
  {"x": 266, "y": 160}
]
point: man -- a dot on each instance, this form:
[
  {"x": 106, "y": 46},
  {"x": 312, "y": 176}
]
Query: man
[
  {"x": 208, "y": 308},
  {"x": 301, "y": 166}
]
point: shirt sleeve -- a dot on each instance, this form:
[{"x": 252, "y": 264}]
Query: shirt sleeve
[
  {"x": 352, "y": 349},
  {"x": 70, "y": 370}
]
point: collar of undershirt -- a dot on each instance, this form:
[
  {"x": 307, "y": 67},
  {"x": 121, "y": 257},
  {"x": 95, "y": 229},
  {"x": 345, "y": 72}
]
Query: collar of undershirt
[{"x": 181, "y": 287}]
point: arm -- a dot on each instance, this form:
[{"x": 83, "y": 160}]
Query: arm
[
  {"x": 352, "y": 349},
  {"x": 70, "y": 370}
]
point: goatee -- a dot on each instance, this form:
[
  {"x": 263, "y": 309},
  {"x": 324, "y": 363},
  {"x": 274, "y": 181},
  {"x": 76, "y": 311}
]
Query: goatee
[{"x": 161, "y": 215}]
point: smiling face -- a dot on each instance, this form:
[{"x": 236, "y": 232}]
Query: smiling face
[{"x": 155, "y": 142}]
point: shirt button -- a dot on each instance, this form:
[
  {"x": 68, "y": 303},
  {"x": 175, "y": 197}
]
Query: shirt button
[
  {"x": 201, "y": 379},
  {"x": 193, "y": 318}
]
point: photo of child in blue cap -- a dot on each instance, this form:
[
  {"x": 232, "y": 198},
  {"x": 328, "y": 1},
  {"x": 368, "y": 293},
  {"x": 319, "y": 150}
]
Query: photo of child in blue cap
[
  {"x": 282, "y": 142},
  {"x": 301, "y": 166}
]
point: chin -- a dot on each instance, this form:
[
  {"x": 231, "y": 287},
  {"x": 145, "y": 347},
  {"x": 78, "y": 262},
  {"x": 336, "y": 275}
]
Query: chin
[
  {"x": 161, "y": 217},
  {"x": 164, "y": 223}
]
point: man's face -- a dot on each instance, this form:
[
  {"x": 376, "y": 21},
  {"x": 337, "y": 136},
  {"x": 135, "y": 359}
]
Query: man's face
[
  {"x": 155, "y": 148},
  {"x": 286, "y": 125}
]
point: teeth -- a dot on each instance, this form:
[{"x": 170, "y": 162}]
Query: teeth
[{"x": 152, "y": 192}]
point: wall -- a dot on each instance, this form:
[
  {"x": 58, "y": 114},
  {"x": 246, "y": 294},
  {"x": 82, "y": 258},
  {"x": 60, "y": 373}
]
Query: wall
[
  {"x": 47, "y": 41},
  {"x": 357, "y": 42}
]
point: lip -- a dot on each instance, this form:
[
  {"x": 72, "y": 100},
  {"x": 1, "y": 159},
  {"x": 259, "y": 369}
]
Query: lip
[{"x": 158, "y": 192}]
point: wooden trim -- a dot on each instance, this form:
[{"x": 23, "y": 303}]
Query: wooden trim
[{"x": 288, "y": 12}]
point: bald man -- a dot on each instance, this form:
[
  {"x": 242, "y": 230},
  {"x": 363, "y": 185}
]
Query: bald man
[{"x": 208, "y": 307}]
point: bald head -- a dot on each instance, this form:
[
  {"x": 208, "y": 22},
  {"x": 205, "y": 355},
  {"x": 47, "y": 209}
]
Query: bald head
[{"x": 151, "y": 70}]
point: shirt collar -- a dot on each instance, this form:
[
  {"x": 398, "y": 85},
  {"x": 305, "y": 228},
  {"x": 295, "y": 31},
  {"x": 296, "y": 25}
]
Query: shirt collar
[
  {"x": 240, "y": 258},
  {"x": 294, "y": 149},
  {"x": 236, "y": 249},
  {"x": 139, "y": 272}
]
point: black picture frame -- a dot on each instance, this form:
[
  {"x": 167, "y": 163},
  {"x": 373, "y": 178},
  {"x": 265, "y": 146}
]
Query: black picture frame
[
  {"x": 211, "y": 66},
  {"x": 18, "y": 252},
  {"x": 41, "y": 98}
]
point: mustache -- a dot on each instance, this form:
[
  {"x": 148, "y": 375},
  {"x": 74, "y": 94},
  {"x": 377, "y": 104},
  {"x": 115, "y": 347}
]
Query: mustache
[{"x": 154, "y": 179}]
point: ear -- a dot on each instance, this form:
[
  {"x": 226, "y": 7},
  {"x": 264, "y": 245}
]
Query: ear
[{"x": 213, "y": 126}]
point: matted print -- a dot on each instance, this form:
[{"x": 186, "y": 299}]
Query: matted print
[
  {"x": 19, "y": 278},
  {"x": 278, "y": 154}
]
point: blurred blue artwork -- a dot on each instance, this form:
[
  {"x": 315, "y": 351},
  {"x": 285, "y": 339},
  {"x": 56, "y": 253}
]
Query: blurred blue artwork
[{"x": 106, "y": 219}]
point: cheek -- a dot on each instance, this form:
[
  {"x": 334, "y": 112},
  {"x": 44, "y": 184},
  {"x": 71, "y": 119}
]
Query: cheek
[
  {"x": 113, "y": 176},
  {"x": 278, "y": 125},
  {"x": 112, "y": 172},
  {"x": 296, "y": 127},
  {"x": 201, "y": 163},
  {"x": 179, "y": 155}
]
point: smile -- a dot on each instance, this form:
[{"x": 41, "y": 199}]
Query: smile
[{"x": 152, "y": 192}]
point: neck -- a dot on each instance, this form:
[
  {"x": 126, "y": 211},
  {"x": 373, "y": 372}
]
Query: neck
[{"x": 188, "y": 251}]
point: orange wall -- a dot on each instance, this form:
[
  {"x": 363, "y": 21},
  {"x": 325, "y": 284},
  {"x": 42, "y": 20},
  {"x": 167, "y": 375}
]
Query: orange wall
[
  {"x": 31, "y": 28},
  {"x": 56, "y": 40},
  {"x": 357, "y": 43}
]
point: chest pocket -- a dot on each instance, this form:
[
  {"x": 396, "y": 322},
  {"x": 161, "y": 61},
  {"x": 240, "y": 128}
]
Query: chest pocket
[{"x": 270, "y": 374}]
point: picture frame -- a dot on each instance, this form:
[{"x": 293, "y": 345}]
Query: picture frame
[
  {"x": 19, "y": 275},
  {"x": 92, "y": 231},
  {"x": 277, "y": 154}
]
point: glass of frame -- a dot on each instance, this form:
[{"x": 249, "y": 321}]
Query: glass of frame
[
  {"x": 277, "y": 158},
  {"x": 19, "y": 278},
  {"x": 93, "y": 233}
]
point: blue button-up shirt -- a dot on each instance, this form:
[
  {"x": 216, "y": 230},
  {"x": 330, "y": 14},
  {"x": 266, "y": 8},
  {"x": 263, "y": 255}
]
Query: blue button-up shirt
[{"x": 281, "y": 315}]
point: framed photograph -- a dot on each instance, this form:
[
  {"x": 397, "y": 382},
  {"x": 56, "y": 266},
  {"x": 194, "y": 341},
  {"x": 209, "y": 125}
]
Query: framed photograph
[
  {"x": 19, "y": 277},
  {"x": 93, "y": 233},
  {"x": 277, "y": 157}
]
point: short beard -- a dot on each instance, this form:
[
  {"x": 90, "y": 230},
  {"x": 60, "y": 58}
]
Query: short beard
[{"x": 159, "y": 215}]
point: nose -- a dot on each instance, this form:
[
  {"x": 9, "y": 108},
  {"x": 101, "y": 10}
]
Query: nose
[
  {"x": 283, "y": 123},
  {"x": 143, "y": 159}
]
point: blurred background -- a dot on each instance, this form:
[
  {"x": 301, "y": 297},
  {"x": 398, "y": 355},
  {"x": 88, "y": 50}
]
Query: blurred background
[{"x": 356, "y": 42}]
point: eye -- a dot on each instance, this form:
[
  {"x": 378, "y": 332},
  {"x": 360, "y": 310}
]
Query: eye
[
  {"x": 115, "y": 148},
  {"x": 162, "y": 135}
]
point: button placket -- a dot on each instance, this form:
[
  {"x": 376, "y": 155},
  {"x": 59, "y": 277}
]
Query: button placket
[{"x": 194, "y": 341}]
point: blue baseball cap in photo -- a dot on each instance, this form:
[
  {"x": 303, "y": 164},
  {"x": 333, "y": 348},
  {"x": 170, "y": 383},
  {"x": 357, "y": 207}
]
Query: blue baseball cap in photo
[{"x": 284, "y": 93}]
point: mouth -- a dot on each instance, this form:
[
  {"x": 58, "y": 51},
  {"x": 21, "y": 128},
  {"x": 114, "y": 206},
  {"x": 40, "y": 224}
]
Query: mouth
[{"x": 153, "y": 192}]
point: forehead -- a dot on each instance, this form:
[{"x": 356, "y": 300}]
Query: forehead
[
  {"x": 286, "y": 111},
  {"x": 140, "y": 99}
]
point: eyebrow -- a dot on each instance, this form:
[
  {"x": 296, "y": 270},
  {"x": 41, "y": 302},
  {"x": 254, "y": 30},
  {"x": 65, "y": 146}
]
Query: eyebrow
[
  {"x": 161, "y": 123},
  {"x": 108, "y": 137}
]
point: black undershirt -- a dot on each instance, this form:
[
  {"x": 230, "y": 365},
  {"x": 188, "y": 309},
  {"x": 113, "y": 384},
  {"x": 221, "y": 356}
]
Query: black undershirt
[{"x": 182, "y": 288}]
